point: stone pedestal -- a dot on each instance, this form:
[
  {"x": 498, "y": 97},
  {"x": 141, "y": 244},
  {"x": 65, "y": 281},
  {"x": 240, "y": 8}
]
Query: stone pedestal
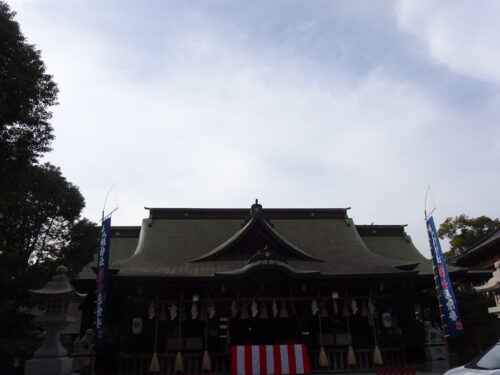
[
  {"x": 435, "y": 352},
  {"x": 434, "y": 348},
  {"x": 436, "y": 358},
  {"x": 46, "y": 366},
  {"x": 438, "y": 366},
  {"x": 51, "y": 357},
  {"x": 82, "y": 348}
]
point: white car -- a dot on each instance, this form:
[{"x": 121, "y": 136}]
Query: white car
[{"x": 486, "y": 364}]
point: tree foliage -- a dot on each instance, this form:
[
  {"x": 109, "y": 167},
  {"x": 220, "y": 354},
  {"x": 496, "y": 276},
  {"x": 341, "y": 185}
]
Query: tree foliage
[
  {"x": 40, "y": 223},
  {"x": 40, "y": 211},
  {"x": 463, "y": 232},
  {"x": 26, "y": 94}
]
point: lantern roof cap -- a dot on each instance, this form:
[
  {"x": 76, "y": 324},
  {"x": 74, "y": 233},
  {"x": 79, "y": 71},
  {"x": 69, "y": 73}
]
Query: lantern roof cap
[
  {"x": 493, "y": 284},
  {"x": 59, "y": 286}
]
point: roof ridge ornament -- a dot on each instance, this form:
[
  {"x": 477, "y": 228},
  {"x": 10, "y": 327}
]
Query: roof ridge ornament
[{"x": 256, "y": 208}]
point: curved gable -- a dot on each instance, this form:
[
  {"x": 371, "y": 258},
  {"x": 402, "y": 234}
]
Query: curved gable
[{"x": 254, "y": 236}]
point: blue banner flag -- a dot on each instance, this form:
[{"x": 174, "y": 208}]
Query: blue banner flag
[
  {"x": 102, "y": 278},
  {"x": 447, "y": 300}
]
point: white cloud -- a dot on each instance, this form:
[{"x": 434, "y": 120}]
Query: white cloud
[
  {"x": 460, "y": 34},
  {"x": 208, "y": 119}
]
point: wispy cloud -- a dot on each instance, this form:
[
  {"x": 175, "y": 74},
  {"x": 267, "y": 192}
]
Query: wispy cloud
[
  {"x": 462, "y": 35},
  {"x": 216, "y": 103}
]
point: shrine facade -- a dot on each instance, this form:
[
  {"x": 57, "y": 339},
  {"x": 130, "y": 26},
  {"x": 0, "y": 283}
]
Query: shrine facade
[{"x": 194, "y": 281}]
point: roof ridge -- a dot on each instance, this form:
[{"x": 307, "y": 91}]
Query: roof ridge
[{"x": 482, "y": 240}]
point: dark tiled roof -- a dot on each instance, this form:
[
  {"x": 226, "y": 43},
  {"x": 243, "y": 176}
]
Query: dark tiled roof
[
  {"x": 240, "y": 213},
  {"x": 171, "y": 238},
  {"x": 487, "y": 240},
  {"x": 487, "y": 243},
  {"x": 391, "y": 241},
  {"x": 123, "y": 244}
]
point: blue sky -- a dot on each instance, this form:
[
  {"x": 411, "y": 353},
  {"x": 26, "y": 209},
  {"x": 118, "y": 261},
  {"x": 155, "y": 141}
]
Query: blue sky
[{"x": 356, "y": 104}]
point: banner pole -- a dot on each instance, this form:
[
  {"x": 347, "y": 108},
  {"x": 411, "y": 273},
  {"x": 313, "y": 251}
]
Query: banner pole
[
  {"x": 448, "y": 307},
  {"x": 441, "y": 315}
]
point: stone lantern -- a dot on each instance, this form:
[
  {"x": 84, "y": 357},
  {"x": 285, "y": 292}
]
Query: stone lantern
[
  {"x": 493, "y": 286},
  {"x": 51, "y": 357}
]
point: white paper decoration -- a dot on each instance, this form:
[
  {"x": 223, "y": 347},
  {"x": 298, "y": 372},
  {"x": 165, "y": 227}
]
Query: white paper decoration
[
  {"x": 275, "y": 308},
  {"x": 152, "y": 310},
  {"x": 194, "y": 311},
  {"x": 354, "y": 306},
  {"x": 254, "y": 309},
  {"x": 172, "y": 309},
  {"x": 211, "y": 310},
  {"x": 314, "y": 307},
  {"x": 371, "y": 306},
  {"x": 234, "y": 309}
]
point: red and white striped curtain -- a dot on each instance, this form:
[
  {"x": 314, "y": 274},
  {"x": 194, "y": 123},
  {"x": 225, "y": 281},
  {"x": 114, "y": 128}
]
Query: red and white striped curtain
[{"x": 269, "y": 360}]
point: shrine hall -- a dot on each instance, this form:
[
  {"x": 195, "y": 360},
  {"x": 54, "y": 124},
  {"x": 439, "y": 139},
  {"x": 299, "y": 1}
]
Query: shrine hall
[{"x": 197, "y": 283}]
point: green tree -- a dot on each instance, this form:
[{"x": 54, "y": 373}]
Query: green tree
[
  {"x": 463, "y": 232},
  {"x": 40, "y": 211},
  {"x": 26, "y": 94},
  {"x": 41, "y": 228},
  {"x": 481, "y": 328}
]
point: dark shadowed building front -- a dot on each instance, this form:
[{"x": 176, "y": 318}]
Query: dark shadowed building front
[
  {"x": 190, "y": 280},
  {"x": 481, "y": 255}
]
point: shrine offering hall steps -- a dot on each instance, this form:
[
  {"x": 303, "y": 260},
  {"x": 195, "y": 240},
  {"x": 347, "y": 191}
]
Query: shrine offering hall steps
[{"x": 139, "y": 364}]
